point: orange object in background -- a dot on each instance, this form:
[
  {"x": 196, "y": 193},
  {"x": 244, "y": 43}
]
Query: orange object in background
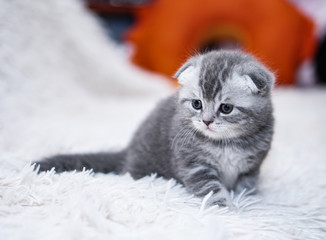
[{"x": 168, "y": 32}]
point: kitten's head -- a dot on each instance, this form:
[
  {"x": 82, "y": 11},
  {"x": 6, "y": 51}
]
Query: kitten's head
[{"x": 225, "y": 94}]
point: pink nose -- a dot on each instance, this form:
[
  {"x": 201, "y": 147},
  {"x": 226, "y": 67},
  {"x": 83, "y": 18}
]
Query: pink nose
[{"x": 207, "y": 122}]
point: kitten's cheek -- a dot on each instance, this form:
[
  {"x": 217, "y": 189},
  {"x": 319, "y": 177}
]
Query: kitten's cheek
[{"x": 196, "y": 124}]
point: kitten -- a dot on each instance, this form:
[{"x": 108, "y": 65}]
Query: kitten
[{"x": 212, "y": 134}]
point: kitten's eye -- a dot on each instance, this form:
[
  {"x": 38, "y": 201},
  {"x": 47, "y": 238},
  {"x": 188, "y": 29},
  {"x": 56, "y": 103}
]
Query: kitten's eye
[
  {"x": 196, "y": 104},
  {"x": 226, "y": 108}
]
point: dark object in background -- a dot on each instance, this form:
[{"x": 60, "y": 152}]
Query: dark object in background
[
  {"x": 116, "y": 16},
  {"x": 320, "y": 61},
  {"x": 116, "y": 25}
]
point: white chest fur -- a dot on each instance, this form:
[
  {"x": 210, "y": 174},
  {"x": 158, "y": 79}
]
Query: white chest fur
[{"x": 230, "y": 163}]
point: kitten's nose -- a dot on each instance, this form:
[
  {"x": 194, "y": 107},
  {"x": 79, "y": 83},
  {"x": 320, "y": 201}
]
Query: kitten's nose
[{"x": 207, "y": 122}]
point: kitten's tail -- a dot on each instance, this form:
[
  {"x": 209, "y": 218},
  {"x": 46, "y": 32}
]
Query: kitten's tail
[{"x": 98, "y": 162}]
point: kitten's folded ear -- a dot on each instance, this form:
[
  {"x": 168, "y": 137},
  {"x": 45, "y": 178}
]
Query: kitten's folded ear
[
  {"x": 187, "y": 72},
  {"x": 262, "y": 78}
]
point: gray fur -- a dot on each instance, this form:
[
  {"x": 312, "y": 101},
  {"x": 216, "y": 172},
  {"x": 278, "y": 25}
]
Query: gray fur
[{"x": 175, "y": 143}]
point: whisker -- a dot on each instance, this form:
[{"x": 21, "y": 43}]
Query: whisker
[
  {"x": 183, "y": 132},
  {"x": 183, "y": 138},
  {"x": 191, "y": 136},
  {"x": 186, "y": 137}
]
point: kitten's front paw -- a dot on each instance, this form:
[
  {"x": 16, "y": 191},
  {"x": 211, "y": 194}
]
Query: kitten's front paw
[
  {"x": 248, "y": 190},
  {"x": 221, "y": 198}
]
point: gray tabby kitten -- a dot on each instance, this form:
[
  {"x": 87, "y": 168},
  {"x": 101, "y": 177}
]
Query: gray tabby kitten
[{"x": 212, "y": 134}]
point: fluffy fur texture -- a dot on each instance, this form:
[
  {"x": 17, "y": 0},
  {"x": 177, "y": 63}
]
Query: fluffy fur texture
[
  {"x": 43, "y": 114},
  {"x": 211, "y": 135}
]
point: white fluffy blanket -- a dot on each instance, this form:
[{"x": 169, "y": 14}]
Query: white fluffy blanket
[{"x": 64, "y": 89}]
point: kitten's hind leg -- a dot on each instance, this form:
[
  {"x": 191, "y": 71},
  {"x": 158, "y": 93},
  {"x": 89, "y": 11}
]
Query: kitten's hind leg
[{"x": 98, "y": 162}]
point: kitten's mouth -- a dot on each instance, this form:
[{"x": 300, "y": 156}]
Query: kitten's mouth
[{"x": 209, "y": 129}]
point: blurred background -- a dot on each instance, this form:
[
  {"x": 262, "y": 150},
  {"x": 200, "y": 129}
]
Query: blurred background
[{"x": 158, "y": 35}]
